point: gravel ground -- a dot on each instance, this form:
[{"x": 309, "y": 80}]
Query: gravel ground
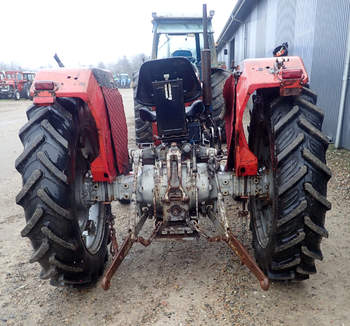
[{"x": 170, "y": 283}]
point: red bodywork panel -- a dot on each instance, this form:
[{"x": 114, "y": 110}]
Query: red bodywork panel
[
  {"x": 256, "y": 74},
  {"x": 81, "y": 83}
]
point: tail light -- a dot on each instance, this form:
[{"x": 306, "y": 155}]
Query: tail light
[
  {"x": 44, "y": 85},
  {"x": 292, "y": 73}
]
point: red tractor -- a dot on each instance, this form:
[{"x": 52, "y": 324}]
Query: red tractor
[
  {"x": 16, "y": 84},
  {"x": 76, "y": 162}
]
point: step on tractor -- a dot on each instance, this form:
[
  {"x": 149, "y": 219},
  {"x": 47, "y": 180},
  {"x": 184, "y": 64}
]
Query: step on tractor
[
  {"x": 76, "y": 161},
  {"x": 175, "y": 36}
]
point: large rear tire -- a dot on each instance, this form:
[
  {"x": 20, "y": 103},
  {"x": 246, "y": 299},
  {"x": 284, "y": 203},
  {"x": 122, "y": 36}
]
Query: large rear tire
[
  {"x": 143, "y": 129},
  {"x": 286, "y": 137},
  {"x": 68, "y": 235},
  {"x": 218, "y": 78}
]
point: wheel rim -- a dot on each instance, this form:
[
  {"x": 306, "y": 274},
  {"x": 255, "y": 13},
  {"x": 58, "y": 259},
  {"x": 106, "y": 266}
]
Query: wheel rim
[
  {"x": 92, "y": 230},
  {"x": 90, "y": 216},
  {"x": 17, "y": 96},
  {"x": 263, "y": 209}
]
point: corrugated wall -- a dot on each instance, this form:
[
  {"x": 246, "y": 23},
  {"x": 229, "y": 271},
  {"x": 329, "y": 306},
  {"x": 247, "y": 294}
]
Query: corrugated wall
[
  {"x": 239, "y": 44},
  {"x": 285, "y": 23},
  {"x": 261, "y": 29},
  {"x": 251, "y": 34},
  {"x": 271, "y": 23},
  {"x": 304, "y": 31},
  {"x": 331, "y": 23}
]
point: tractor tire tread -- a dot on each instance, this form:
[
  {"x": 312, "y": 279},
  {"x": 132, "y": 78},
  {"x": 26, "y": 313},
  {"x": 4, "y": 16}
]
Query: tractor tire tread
[
  {"x": 42, "y": 194},
  {"x": 287, "y": 118},
  {"x": 312, "y": 95},
  {"x": 314, "y": 160},
  {"x": 291, "y": 242},
  {"x": 286, "y": 264},
  {"x": 143, "y": 129},
  {"x": 307, "y": 104},
  {"x": 218, "y": 78},
  {"x": 292, "y": 181},
  {"x": 28, "y": 151},
  {"x": 313, "y": 130},
  {"x": 311, "y": 253},
  {"x": 68, "y": 268},
  {"x": 53, "y": 237},
  {"x": 40, "y": 252},
  {"x": 52, "y": 167},
  {"x": 29, "y": 184},
  {"x": 290, "y": 148},
  {"x": 48, "y": 139},
  {"x": 39, "y": 212},
  {"x": 47, "y": 273},
  {"x": 301, "y": 181},
  {"x": 294, "y": 213},
  {"x": 54, "y": 134},
  {"x": 318, "y": 196},
  {"x": 38, "y": 116},
  {"x": 321, "y": 231}
]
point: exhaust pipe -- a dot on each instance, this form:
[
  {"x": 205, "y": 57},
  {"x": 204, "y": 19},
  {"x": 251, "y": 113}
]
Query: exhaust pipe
[{"x": 206, "y": 63}]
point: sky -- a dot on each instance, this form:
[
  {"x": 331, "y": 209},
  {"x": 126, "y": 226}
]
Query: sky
[{"x": 86, "y": 32}]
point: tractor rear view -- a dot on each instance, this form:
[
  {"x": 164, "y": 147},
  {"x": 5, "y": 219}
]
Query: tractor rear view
[{"x": 76, "y": 162}]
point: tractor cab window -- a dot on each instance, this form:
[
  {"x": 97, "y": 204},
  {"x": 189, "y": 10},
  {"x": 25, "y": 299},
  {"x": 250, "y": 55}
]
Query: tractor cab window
[
  {"x": 19, "y": 77},
  {"x": 180, "y": 45}
]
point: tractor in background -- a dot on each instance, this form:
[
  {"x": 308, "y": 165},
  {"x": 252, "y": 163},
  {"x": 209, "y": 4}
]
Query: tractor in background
[
  {"x": 183, "y": 37},
  {"x": 75, "y": 162},
  {"x": 16, "y": 84},
  {"x": 124, "y": 80},
  {"x": 11, "y": 86}
]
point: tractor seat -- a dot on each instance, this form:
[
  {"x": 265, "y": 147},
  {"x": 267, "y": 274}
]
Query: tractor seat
[
  {"x": 168, "y": 84},
  {"x": 184, "y": 53},
  {"x": 167, "y": 69}
]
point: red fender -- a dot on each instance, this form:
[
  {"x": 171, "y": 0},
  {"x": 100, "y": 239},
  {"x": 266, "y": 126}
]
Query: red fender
[
  {"x": 103, "y": 102},
  {"x": 256, "y": 74}
]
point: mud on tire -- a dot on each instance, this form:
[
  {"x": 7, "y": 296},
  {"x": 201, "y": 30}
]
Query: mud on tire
[
  {"x": 287, "y": 230},
  {"x": 51, "y": 165}
]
